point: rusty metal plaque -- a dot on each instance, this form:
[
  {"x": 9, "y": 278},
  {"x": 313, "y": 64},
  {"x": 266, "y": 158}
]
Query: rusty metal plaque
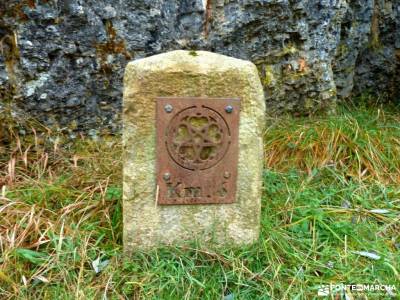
[{"x": 197, "y": 150}]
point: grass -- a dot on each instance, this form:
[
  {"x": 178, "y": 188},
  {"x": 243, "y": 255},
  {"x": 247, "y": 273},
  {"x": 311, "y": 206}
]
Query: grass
[{"x": 331, "y": 188}]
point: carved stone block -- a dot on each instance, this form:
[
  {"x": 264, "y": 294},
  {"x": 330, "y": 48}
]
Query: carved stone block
[{"x": 193, "y": 125}]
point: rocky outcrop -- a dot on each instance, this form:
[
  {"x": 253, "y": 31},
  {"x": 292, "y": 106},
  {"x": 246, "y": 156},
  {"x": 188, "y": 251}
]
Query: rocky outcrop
[{"x": 63, "y": 61}]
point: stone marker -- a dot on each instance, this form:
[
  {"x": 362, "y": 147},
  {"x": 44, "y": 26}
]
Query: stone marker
[{"x": 193, "y": 150}]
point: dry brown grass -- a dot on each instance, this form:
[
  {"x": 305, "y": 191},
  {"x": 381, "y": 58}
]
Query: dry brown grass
[
  {"x": 364, "y": 145},
  {"x": 51, "y": 189}
]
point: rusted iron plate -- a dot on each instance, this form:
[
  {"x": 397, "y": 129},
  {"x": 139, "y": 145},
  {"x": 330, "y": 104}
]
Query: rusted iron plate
[{"x": 197, "y": 150}]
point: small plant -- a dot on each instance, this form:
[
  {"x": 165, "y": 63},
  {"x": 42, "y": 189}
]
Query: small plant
[{"x": 193, "y": 53}]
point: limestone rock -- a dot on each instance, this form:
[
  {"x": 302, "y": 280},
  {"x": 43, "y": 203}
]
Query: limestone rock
[{"x": 308, "y": 53}]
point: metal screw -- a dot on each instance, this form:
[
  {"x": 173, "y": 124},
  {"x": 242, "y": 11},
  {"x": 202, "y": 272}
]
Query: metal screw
[
  {"x": 167, "y": 176},
  {"x": 227, "y": 174},
  {"x": 229, "y": 109},
  {"x": 168, "y": 108}
]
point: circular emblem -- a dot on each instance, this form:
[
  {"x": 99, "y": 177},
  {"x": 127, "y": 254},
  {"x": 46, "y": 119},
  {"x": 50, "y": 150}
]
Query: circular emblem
[{"x": 197, "y": 138}]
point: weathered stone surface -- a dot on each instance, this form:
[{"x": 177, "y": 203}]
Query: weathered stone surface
[
  {"x": 197, "y": 74},
  {"x": 63, "y": 61}
]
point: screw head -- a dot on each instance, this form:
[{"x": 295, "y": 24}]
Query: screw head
[
  {"x": 229, "y": 109},
  {"x": 167, "y": 176},
  {"x": 168, "y": 108},
  {"x": 227, "y": 174}
]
